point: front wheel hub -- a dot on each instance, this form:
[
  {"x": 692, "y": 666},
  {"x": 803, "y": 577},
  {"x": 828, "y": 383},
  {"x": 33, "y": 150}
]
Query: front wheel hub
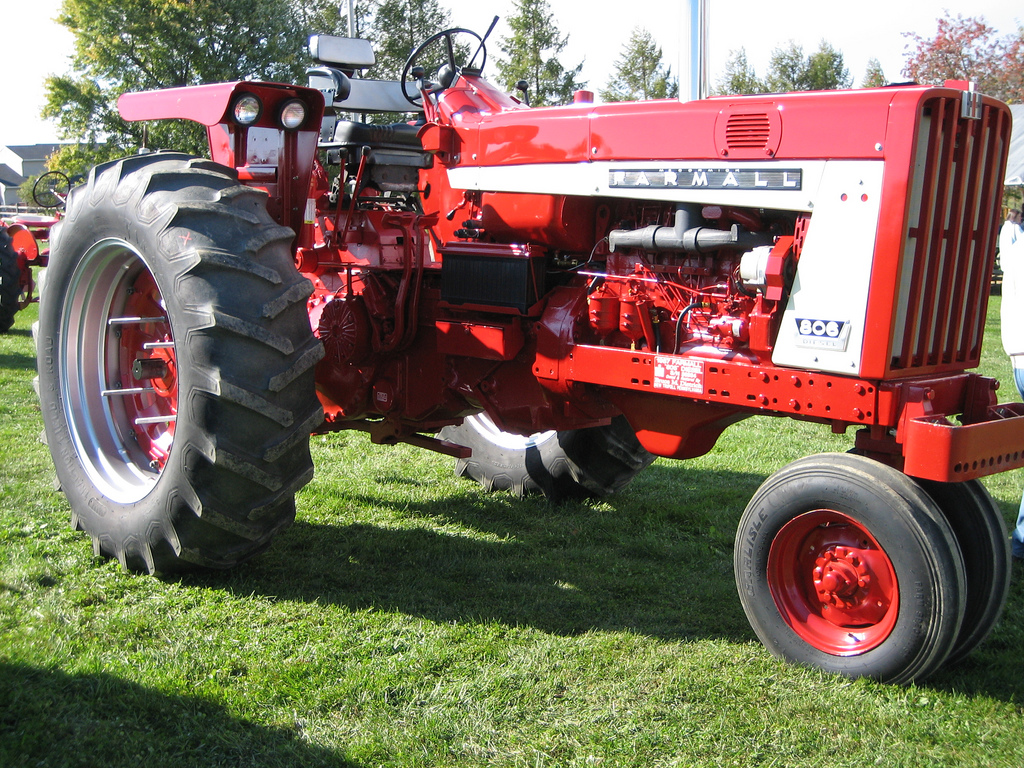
[{"x": 833, "y": 583}]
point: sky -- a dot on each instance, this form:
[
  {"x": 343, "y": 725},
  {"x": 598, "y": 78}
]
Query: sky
[{"x": 35, "y": 46}]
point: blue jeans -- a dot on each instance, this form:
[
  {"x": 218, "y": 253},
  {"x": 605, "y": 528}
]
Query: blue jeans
[{"x": 1017, "y": 543}]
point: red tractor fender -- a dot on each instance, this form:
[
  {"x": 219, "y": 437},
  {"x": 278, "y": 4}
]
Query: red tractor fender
[
  {"x": 206, "y": 104},
  {"x": 263, "y": 151},
  {"x": 23, "y": 242}
]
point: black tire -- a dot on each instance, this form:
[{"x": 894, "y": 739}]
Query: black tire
[
  {"x": 847, "y": 565},
  {"x": 200, "y": 469},
  {"x": 10, "y": 282},
  {"x": 980, "y": 531},
  {"x": 575, "y": 463}
]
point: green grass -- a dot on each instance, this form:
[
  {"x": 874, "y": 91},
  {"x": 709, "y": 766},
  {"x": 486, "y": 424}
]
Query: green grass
[{"x": 409, "y": 619}]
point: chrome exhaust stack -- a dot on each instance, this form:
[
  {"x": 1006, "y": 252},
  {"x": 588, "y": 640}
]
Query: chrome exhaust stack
[{"x": 693, "y": 51}]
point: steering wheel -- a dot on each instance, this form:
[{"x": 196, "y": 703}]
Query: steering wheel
[
  {"x": 51, "y": 190},
  {"x": 448, "y": 35}
]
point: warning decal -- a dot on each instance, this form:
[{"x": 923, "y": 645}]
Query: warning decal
[{"x": 679, "y": 374}]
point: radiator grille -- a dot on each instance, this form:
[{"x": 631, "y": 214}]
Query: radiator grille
[
  {"x": 747, "y": 131},
  {"x": 950, "y": 240}
]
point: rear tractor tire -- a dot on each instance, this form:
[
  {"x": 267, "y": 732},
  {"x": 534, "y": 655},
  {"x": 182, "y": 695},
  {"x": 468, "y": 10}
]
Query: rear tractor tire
[
  {"x": 847, "y": 565},
  {"x": 576, "y": 463},
  {"x": 176, "y": 365},
  {"x": 10, "y": 282}
]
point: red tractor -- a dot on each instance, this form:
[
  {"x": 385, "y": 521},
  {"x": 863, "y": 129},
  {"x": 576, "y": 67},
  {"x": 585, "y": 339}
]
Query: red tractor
[
  {"x": 553, "y": 296},
  {"x": 20, "y": 250}
]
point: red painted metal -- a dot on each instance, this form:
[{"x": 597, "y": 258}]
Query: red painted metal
[
  {"x": 23, "y": 242},
  {"x": 27, "y": 231},
  {"x": 205, "y": 104},
  {"x": 146, "y": 361},
  {"x": 490, "y": 342},
  {"x": 264, "y": 154},
  {"x": 948, "y": 240},
  {"x": 503, "y": 292},
  {"x": 833, "y": 583}
]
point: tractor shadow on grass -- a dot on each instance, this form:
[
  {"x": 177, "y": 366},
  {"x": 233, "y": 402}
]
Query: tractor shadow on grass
[
  {"x": 656, "y": 560},
  {"x": 993, "y": 669},
  {"x": 17, "y": 362},
  {"x": 52, "y": 718}
]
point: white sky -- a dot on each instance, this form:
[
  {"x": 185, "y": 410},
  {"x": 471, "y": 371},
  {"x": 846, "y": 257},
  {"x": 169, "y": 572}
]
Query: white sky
[{"x": 34, "y": 46}]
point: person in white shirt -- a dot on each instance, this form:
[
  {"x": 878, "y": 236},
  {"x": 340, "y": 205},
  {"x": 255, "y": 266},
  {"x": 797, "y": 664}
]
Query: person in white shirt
[
  {"x": 1011, "y": 324},
  {"x": 1011, "y": 230}
]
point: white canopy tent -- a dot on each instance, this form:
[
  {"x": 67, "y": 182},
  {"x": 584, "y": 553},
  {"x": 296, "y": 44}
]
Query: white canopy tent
[{"x": 1015, "y": 163}]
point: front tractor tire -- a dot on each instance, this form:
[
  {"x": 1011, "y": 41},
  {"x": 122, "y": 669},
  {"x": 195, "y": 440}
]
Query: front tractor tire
[
  {"x": 575, "y": 463},
  {"x": 176, "y": 365},
  {"x": 849, "y": 566}
]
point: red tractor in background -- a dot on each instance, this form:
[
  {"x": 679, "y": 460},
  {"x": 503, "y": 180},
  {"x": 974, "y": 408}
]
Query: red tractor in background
[
  {"x": 553, "y": 296},
  {"x": 20, "y": 251}
]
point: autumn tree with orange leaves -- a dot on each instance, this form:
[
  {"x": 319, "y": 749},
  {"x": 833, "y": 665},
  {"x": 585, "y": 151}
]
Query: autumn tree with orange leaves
[{"x": 969, "y": 49}]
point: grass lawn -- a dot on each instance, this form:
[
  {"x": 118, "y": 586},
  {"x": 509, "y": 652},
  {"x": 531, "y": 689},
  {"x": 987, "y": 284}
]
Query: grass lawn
[{"x": 409, "y": 619}]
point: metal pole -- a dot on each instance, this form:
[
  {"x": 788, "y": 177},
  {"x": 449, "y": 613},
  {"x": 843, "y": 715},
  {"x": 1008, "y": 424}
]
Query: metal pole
[
  {"x": 351, "y": 18},
  {"x": 693, "y": 56}
]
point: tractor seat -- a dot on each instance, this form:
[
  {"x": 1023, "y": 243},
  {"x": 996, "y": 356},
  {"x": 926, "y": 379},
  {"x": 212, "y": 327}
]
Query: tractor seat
[
  {"x": 395, "y": 157},
  {"x": 352, "y": 135}
]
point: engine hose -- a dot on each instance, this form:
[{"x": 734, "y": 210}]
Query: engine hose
[{"x": 679, "y": 324}]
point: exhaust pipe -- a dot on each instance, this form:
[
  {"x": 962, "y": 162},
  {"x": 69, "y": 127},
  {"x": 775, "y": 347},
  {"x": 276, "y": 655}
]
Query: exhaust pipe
[
  {"x": 686, "y": 236},
  {"x": 693, "y": 58}
]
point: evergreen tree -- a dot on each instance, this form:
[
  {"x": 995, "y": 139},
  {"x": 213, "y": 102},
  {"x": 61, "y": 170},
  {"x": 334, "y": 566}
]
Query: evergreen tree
[
  {"x": 825, "y": 70},
  {"x": 398, "y": 27},
  {"x": 639, "y": 72},
  {"x": 331, "y": 18},
  {"x": 874, "y": 77},
  {"x": 786, "y": 69},
  {"x": 532, "y": 55},
  {"x": 739, "y": 77}
]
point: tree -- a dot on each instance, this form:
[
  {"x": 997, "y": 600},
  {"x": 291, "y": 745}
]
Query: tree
[
  {"x": 323, "y": 17},
  {"x": 874, "y": 77},
  {"x": 962, "y": 49},
  {"x": 639, "y": 73},
  {"x": 739, "y": 77},
  {"x": 135, "y": 45},
  {"x": 1013, "y": 70},
  {"x": 825, "y": 70},
  {"x": 786, "y": 69},
  {"x": 398, "y": 27},
  {"x": 532, "y": 53}
]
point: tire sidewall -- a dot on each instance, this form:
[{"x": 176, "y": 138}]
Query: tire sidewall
[
  {"x": 984, "y": 541},
  {"x": 114, "y": 525}
]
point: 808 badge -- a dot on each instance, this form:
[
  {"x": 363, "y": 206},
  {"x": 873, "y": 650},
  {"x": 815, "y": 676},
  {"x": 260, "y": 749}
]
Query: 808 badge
[{"x": 822, "y": 334}]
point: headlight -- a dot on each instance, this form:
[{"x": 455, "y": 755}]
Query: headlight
[
  {"x": 292, "y": 114},
  {"x": 247, "y": 109}
]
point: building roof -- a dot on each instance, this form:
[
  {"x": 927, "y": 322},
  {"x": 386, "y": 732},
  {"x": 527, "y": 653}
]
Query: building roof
[
  {"x": 10, "y": 177},
  {"x": 33, "y": 151}
]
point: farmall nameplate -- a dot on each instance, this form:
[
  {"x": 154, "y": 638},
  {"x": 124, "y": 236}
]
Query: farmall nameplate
[{"x": 784, "y": 179}]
